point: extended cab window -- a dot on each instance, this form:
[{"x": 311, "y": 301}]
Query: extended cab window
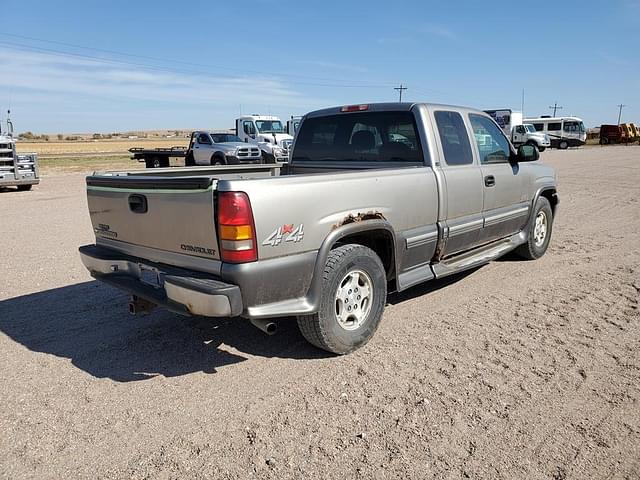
[
  {"x": 454, "y": 138},
  {"x": 359, "y": 137},
  {"x": 493, "y": 147}
]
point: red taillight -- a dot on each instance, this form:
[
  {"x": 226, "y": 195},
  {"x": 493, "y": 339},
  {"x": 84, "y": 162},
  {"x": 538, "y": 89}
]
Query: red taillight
[
  {"x": 236, "y": 230},
  {"x": 354, "y": 108}
]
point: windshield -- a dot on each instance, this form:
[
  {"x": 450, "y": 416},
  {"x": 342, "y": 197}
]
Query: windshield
[
  {"x": 224, "y": 137},
  {"x": 359, "y": 137},
  {"x": 530, "y": 128},
  {"x": 269, "y": 126}
]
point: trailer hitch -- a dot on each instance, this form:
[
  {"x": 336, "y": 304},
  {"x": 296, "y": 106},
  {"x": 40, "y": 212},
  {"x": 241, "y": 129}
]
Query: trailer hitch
[{"x": 139, "y": 305}]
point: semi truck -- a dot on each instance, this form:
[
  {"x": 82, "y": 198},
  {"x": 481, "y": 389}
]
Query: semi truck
[
  {"x": 19, "y": 170},
  {"x": 268, "y": 133},
  {"x": 519, "y": 132}
]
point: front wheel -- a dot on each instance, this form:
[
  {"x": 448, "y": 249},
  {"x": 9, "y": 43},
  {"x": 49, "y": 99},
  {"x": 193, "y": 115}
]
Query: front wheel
[
  {"x": 542, "y": 149},
  {"x": 354, "y": 293},
  {"x": 539, "y": 233}
]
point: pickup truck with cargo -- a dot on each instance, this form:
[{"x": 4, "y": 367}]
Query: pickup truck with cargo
[
  {"x": 376, "y": 198},
  {"x": 205, "y": 148}
]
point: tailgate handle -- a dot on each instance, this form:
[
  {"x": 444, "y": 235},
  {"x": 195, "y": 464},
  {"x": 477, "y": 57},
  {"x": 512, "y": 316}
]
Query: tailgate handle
[{"x": 138, "y": 203}]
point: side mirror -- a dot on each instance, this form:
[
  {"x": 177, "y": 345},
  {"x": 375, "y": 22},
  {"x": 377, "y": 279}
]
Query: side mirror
[{"x": 527, "y": 153}]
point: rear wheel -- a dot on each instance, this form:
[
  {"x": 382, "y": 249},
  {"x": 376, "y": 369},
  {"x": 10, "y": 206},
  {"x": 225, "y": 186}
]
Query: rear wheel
[
  {"x": 604, "y": 141},
  {"x": 24, "y": 188},
  {"x": 539, "y": 233},
  {"x": 563, "y": 145},
  {"x": 156, "y": 162},
  {"x": 354, "y": 293}
]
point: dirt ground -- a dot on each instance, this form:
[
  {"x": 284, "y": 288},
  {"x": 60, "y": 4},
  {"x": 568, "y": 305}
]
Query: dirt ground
[{"x": 514, "y": 370}]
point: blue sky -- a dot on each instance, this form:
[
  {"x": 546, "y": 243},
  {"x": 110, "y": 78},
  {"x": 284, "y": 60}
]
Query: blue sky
[{"x": 88, "y": 66}]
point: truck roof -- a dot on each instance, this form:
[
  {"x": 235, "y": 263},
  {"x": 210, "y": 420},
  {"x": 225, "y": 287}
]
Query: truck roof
[{"x": 389, "y": 106}]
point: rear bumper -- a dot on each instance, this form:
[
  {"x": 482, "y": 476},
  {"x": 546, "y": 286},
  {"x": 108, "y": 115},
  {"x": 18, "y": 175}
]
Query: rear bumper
[{"x": 182, "y": 291}]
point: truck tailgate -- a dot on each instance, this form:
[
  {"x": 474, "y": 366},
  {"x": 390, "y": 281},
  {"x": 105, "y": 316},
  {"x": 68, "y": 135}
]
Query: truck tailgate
[{"x": 174, "y": 214}]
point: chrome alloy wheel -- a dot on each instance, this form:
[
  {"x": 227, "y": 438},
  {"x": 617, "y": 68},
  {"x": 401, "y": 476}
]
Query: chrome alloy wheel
[
  {"x": 540, "y": 229},
  {"x": 353, "y": 299}
]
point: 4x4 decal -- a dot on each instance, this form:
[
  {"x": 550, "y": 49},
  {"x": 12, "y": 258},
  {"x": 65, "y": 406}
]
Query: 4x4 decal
[{"x": 287, "y": 233}]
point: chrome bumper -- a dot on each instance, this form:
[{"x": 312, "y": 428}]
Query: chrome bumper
[{"x": 181, "y": 291}]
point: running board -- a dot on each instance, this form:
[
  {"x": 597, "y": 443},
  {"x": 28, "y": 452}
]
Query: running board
[{"x": 478, "y": 256}]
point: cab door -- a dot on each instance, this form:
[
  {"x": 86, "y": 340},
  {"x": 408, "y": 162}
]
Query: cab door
[
  {"x": 202, "y": 149},
  {"x": 505, "y": 202},
  {"x": 463, "y": 196}
]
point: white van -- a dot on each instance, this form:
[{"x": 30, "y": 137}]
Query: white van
[{"x": 564, "y": 132}]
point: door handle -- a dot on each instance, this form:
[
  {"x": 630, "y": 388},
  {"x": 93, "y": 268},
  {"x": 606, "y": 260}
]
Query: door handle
[{"x": 489, "y": 181}]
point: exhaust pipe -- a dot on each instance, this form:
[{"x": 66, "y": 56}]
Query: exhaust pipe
[
  {"x": 267, "y": 326},
  {"x": 139, "y": 305}
]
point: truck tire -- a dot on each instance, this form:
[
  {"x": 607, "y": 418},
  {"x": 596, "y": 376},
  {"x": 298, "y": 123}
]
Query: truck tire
[
  {"x": 24, "y": 188},
  {"x": 539, "y": 233},
  {"x": 563, "y": 145},
  {"x": 217, "y": 160},
  {"x": 604, "y": 141},
  {"x": 156, "y": 162},
  {"x": 268, "y": 158},
  {"x": 354, "y": 293}
]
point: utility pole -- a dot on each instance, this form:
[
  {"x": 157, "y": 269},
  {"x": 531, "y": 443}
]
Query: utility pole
[
  {"x": 522, "y": 103},
  {"x": 555, "y": 107},
  {"x": 620, "y": 107},
  {"x": 400, "y": 89}
]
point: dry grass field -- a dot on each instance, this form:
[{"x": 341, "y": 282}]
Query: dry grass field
[{"x": 95, "y": 147}]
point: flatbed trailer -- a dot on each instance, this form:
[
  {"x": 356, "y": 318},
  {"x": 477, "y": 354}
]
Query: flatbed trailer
[{"x": 157, "y": 157}]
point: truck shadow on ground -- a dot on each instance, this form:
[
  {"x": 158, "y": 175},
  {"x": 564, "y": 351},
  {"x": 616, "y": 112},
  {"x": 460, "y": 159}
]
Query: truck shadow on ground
[{"x": 88, "y": 323}]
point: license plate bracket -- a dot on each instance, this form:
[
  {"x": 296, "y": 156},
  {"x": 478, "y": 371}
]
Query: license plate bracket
[{"x": 150, "y": 276}]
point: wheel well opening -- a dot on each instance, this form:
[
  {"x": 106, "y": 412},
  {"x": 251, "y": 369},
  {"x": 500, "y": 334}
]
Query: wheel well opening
[
  {"x": 380, "y": 241},
  {"x": 553, "y": 199}
]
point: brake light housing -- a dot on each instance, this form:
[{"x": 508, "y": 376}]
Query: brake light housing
[
  {"x": 355, "y": 108},
  {"x": 236, "y": 228}
]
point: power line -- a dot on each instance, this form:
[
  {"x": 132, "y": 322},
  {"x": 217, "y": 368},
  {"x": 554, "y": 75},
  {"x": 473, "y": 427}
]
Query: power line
[
  {"x": 620, "y": 107},
  {"x": 555, "y": 107},
  {"x": 400, "y": 89}
]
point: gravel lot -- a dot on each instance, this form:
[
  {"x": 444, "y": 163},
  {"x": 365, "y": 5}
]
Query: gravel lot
[{"x": 514, "y": 370}]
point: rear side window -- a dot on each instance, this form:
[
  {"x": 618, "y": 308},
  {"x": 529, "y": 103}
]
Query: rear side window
[
  {"x": 538, "y": 126},
  {"x": 554, "y": 126},
  {"x": 359, "y": 137},
  {"x": 454, "y": 138}
]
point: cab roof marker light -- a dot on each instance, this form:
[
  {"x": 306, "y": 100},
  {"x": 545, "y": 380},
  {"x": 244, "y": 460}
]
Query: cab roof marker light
[{"x": 355, "y": 108}]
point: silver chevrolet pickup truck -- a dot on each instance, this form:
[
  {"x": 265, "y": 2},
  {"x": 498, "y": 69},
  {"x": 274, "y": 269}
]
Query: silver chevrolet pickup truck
[{"x": 376, "y": 198}]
